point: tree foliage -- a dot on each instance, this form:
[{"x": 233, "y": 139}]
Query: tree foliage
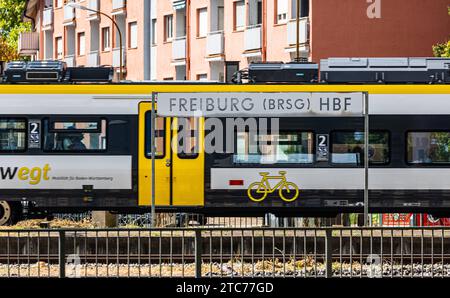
[
  {"x": 7, "y": 52},
  {"x": 442, "y": 49},
  {"x": 11, "y": 25}
]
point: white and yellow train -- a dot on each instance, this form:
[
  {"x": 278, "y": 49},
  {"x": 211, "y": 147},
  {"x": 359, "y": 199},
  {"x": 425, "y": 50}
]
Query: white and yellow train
[{"x": 87, "y": 147}]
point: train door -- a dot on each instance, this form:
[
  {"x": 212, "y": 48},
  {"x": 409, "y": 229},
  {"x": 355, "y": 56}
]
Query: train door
[
  {"x": 188, "y": 162},
  {"x": 162, "y": 158},
  {"x": 179, "y": 163}
]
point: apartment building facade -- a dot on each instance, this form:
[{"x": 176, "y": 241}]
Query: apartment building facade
[
  {"x": 87, "y": 38},
  {"x": 211, "y": 39}
]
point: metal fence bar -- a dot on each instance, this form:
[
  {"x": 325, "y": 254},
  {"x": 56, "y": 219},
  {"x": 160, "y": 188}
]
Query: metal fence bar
[
  {"x": 62, "y": 253},
  {"x": 198, "y": 253},
  {"x": 329, "y": 253}
]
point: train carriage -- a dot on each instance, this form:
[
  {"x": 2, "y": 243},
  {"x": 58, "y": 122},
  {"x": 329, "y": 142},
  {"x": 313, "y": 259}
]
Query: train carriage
[{"x": 88, "y": 147}]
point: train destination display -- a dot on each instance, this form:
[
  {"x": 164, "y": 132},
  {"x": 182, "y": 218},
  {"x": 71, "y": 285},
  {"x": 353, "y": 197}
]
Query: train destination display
[{"x": 258, "y": 104}]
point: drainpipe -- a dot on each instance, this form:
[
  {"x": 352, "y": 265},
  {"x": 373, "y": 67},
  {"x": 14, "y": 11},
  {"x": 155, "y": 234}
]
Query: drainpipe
[
  {"x": 33, "y": 25},
  {"x": 188, "y": 39},
  {"x": 264, "y": 31},
  {"x": 33, "y": 21}
]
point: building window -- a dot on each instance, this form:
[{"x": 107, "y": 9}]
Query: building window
[
  {"x": 202, "y": 22},
  {"x": 285, "y": 147},
  {"x": 106, "y": 39},
  {"x": 239, "y": 15},
  {"x": 281, "y": 11},
  {"x": 133, "y": 35},
  {"x": 59, "y": 48},
  {"x": 12, "y": 135},
  {"x": 59, "y": 3},
  {"x": 348, "y": 147},
  {"x": 168, "y": 27},
  {"x": 202, "y": 77},
  {"x": 231, "y": 67},
  {"x": 154, "y": 37},
  {"x": 81, "y": 40},
  {"x": 75, "y": 136},
  {"x": 428, "y": 147}
]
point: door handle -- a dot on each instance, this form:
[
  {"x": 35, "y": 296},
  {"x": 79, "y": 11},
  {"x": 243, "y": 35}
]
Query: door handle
[{"x": 168, "y": 162}]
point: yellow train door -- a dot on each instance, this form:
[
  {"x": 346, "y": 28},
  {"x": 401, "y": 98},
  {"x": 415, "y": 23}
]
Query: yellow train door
[
  {"x": 188, "y": 162},
  {"x": 179, "y": 165},
  {"x": 162, "y": 160}
]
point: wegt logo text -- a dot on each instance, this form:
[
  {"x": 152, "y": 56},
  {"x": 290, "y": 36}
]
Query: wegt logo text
[{"x": 33, "y": 175}]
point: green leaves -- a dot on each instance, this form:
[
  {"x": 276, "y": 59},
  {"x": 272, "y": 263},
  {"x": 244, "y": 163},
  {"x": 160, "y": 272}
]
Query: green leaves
[
  {"x": 11, "y": 23},
  {"x": 442, "y": 49}
]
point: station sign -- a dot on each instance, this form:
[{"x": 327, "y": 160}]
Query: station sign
[{"x": 260, "y": 104}]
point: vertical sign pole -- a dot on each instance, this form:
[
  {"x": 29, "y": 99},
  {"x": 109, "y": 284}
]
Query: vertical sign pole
[
  {"x": 153, "y": 119},
  {"x": 366, "y": 160}
]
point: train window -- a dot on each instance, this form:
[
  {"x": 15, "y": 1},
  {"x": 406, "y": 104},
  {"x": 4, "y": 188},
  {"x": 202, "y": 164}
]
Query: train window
[
  {"x": 188, "y": 137},
  {"x": 348, "y": 147},
  {"x": 76, "y": 126},
  {"x": 160, "y": 136},
  {"x": 428, "y": 147},
  {"x": 285, "y": 147},
  {"x": 12, "y": 135},
  {"x": 74, "y": 136}
]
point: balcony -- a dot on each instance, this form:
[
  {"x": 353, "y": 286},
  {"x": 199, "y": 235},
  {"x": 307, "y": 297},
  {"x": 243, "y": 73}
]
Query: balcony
[
  {"x": 292, "y": 33},
  {"x": 179, "y": 48},
  {"x": 116, "y": 57},
  {"x": 252, "y": 38},
  {"x": 214, "y": 45},
  {"x": 94, "y": 5},
  {"x": 93, "y": 59},
  {"x": 69, "y": 16},
  {"x": 47, "y": 19},
  {"x": 119, "y": 7},
  {"x": 28, "y": 43},
  {"x": 70, "y": 61}
]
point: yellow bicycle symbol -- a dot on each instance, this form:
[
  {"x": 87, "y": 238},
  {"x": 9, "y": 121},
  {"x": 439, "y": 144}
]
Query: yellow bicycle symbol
[{"x": 258, "y": 191}]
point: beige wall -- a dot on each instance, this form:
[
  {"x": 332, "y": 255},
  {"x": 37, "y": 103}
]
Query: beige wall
[{"x": 134, "y": 57}]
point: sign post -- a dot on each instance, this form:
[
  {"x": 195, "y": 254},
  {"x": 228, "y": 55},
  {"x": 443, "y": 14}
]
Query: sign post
[
  {"x": 367, "y": 220},
  {"x": 153, "y": 147}
]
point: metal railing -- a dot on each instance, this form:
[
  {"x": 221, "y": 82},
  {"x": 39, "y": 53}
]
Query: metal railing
[
  {"x": 227, "y": 252},
  {"x": 292, "y": 31},
  {"x": 179, "y": 48},
  {"x": 252, "y": 37},
  {"x": 47, "y": 17},
  {"x": 215, "y": 43}
]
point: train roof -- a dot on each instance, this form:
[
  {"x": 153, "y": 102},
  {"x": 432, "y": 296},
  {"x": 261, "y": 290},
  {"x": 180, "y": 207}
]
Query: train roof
[{"x": 147, "y": 88}]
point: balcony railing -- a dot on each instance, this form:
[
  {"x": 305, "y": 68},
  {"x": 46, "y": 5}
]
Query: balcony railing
[
  {"x": 69, "y": 14},
  {"x": 252, "y": 37},
  {"x": 70, "y": 61},
  {"x": 93, "y": 59},
  {"x": 118, "y": 7},
  {"x": 214, "y": 43},
  {"x": 28, "y": 43},
  {"x": 116, "y": 57},
  {"x": 47, "y": 18},
  {"x": 292, "y": 32},
  {"x": 94, "y": 5},
  {"x": 179, "y": 48}
]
